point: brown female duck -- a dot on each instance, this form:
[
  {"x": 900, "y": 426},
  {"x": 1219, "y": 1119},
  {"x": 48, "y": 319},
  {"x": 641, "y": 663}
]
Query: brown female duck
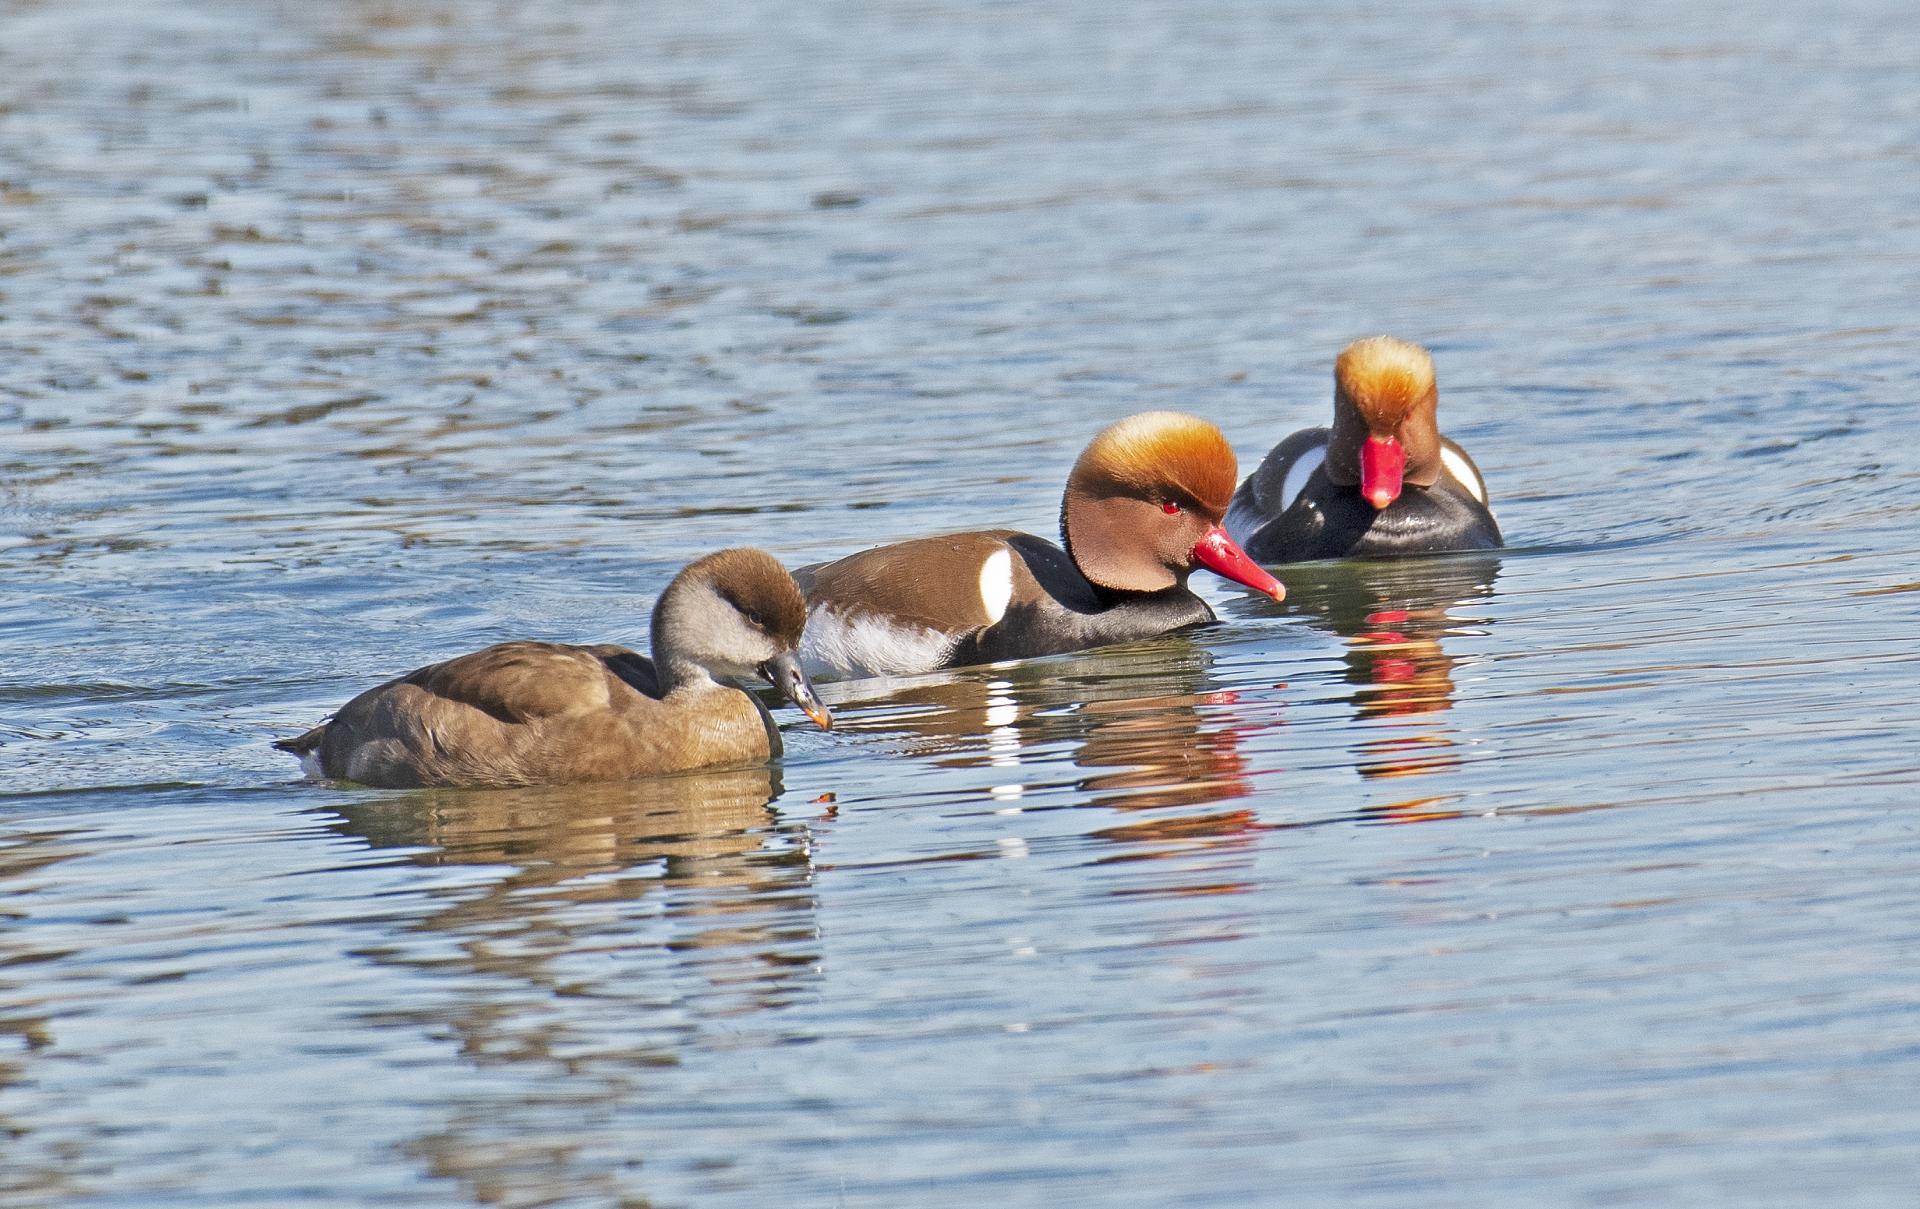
[{"x": 539, "y": 713}]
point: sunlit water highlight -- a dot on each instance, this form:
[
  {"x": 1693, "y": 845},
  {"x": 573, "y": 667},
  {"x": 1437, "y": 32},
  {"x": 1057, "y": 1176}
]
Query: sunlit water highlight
[{"x": 340, "y": 338}]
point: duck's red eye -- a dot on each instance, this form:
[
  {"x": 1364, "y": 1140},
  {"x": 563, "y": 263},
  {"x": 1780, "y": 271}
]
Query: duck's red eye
[{"x": 1169, "y": 509}]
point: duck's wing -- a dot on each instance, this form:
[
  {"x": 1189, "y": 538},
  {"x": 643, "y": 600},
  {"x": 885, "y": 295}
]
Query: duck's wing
[
  {"x": 901, "y": 609},
  {"x": 1461, "y": 467},
  {"x": 1276, "y": 484},
  {"x": 634, "y": 668},
  {"x": 524, "y": 681},
  {"x": 500, "y": 716}
]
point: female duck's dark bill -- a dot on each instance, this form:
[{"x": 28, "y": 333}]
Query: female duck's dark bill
[
  {"x": 783, "y": 672},
  {"x": 1218, "y": 553}
]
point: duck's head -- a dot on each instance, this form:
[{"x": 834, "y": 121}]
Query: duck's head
[
  {"x": 1385, "y": 432},
  {"x": 736, "y": 613},
  {"x": 1144, "y": 505}
]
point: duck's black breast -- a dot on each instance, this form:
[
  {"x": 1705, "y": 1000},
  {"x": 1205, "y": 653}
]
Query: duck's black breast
[
  {"x": 1325, "y": 520},
  {"x": 1055, "y": 610}
]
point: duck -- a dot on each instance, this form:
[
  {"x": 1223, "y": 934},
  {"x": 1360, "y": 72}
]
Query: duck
[
  {"x": 1142, "y": 509},
  {"x": 1381, "y": 481},
  {"x": 545, "y": 713}
]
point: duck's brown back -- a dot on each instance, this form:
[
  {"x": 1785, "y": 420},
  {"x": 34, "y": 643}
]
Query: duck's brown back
[
  {"x": 933, "y": 583},
  {"x": 537, "y": 713}
]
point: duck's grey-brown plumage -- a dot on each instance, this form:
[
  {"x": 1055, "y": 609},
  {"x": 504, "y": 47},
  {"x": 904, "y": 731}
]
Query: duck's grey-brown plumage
[{"x": 540, "y": 713}]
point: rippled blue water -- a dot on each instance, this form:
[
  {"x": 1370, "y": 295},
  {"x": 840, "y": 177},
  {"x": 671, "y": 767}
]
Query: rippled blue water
[{"x": 341, "y": 338}]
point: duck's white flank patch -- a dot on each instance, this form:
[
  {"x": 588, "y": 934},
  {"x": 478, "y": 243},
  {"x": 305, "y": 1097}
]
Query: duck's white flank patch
[
  {"x": 1298, "y": 474},
  {"x": 852, "y": 648},
  {"x": 310, "y": 764},
  {"x": 1458, "y": 467},
  {"x": 996, "y": 584}
]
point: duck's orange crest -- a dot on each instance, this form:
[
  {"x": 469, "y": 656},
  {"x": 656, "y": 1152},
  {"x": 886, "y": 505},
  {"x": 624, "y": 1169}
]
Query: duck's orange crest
[
  {"x": 1162, "y": 455},
  {"x": 1384, "y": 377}
]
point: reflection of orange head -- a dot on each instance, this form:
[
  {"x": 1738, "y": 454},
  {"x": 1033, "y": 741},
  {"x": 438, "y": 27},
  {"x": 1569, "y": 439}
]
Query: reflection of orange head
[
  {"x": 1407, "y": 756},
  {"x": 1169, "y": 758},
  {"x": 1205, "y": 835},
  {"x": 1418, "y": 810},
  {"x": 1397, "y": 618},
  {"x": 1232, "y": 824},
  {"x": 1403, "y": 672},
  {"x": 1400, "y": 674}
]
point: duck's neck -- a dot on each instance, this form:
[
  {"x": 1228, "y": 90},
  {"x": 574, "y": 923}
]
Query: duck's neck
[
  {"x": 1132, "y": 616},
  {"x": 676, "y": 619},
  {"x": 1175, "y": 594}
]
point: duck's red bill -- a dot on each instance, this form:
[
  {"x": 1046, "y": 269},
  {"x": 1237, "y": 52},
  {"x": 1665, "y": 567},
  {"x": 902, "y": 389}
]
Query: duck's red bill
[
  {"x": 1382, "y": 463},
  {"x": 1220, "y": 554}
]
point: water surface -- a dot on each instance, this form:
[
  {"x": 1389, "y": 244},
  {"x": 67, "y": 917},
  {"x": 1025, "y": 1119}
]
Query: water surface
[{"x": 342, "y": 338}]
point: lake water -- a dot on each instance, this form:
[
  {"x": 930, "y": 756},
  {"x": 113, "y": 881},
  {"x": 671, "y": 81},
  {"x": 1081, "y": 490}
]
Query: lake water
[{"x": 339, "y": 338}]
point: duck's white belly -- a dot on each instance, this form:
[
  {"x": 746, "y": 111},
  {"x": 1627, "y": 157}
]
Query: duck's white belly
[{"x": 868, "y": 645}]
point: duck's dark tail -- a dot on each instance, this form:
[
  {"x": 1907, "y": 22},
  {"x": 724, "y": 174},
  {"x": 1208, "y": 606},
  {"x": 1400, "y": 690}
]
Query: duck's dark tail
[{"x": 304, "y": 744}]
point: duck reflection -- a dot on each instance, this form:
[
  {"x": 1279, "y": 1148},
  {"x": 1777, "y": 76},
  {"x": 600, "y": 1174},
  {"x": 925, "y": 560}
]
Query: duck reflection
[
  {"x": 634, "y": 912},
  {"x": 1135, "y": 711},
  {"x": 1164, "y": 754},
  {"x": 566, "y": 847},
  {"x": 39, "y": 1164},
  {"x": 1145, "y": 723},
  {"x": 1395, "y": 616},
  {"x": 555, "y": 833}
]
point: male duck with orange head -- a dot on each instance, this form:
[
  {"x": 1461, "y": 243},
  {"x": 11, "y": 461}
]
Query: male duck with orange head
[
  {"x": 1382, "y": 480},
  {"x": 1142, "y": 508}
]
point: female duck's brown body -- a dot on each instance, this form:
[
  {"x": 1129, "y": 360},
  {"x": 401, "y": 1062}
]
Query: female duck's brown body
[
  {"x": 539, "y": 713},
  {"x": 1382, "y": 480},
  {"x": 1142, "y": 508}
]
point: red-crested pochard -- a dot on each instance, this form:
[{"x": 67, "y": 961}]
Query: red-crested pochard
[
  {"x": 1382, "y": 480},
  {"x": 1142, "y": 507},
  {"x": 539, "y": 713}
]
